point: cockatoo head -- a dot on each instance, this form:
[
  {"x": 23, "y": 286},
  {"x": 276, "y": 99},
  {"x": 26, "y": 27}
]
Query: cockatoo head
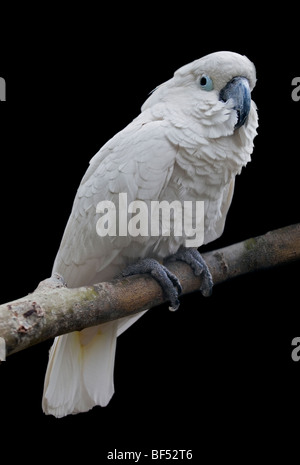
[{"x": 223, "y": 80}]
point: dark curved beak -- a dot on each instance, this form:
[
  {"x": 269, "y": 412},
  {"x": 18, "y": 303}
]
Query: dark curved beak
[{"x": 239, "y": 91}]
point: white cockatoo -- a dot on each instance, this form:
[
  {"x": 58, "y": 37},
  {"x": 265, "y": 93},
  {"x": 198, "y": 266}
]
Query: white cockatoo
[{"x": 193, "y": 136}]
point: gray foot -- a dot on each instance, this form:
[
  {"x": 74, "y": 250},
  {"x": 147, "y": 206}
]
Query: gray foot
[
  {"x": 167, "y": 280},
  {"x": 193, "y": 258}
]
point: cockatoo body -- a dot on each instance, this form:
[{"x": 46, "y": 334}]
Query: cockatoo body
[{"x": 193, "y": 136}]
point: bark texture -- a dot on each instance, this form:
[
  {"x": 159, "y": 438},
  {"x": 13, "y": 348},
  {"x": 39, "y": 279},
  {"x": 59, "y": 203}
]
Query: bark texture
[{"x": 52, "y": 309}]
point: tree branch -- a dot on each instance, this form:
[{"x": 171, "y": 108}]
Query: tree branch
[{"x": 52, "y": 309}]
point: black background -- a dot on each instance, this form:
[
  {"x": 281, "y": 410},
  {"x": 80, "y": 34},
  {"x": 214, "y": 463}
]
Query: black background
[{"x": 217, "y": 376}]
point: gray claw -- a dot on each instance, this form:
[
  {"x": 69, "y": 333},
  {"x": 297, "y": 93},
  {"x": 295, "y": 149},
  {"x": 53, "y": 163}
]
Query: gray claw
[
  {"x": 193, "y": 258},
  {"x": 167, "y": 280}
]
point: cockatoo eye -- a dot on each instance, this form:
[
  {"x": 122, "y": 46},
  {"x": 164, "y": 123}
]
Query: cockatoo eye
[{"x": 206, "y": 82}]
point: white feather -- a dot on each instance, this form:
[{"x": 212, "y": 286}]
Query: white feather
[{"x": 81, "y": 371}]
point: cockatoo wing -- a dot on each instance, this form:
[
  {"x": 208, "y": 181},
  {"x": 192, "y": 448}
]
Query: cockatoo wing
[
  {"x": 80, "y": 370},
  {"x": 123, "y": 165}
]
